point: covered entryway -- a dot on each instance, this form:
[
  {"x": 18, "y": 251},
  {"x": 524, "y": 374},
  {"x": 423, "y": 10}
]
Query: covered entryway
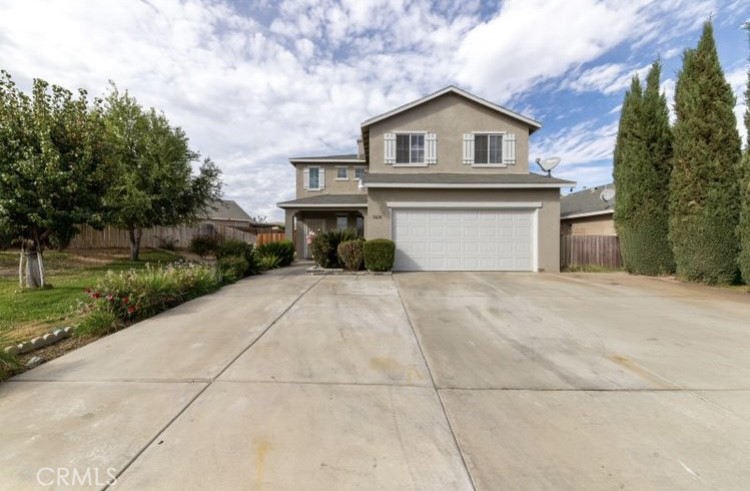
[{"x": 465, "y": 239}]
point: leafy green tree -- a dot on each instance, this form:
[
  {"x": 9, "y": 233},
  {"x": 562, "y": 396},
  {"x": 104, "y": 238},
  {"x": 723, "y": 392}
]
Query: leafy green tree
[
  {"x": 744, "y": 227},
  {"x": 153, "y": 180},
  {"x": 704, "y": 186},
  {"x": 641, "y": 170},
  {"x": 642, "y": 166},
  {"x": 52, "y": 169}
]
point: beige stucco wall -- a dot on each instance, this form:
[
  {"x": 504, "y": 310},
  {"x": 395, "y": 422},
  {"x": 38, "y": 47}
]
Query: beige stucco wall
[
  {"x": 378, "y": 219},
  {"x": 332, "y": 185},
  {"x": 596, "y": 225},
  {"x": 449, "y": 117}
]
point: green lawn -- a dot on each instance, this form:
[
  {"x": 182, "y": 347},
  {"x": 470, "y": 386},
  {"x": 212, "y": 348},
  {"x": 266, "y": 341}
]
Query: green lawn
[{"x": 25, "y": 314}]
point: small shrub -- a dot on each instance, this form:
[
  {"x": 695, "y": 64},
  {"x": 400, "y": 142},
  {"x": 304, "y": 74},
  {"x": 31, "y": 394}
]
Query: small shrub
[
  {"x": 233, "y": 268},
  {"x": 268, "y": 261},
  {"x": 204, "y": 245},
  {"x": 283, "y": 249},
  {"x": 379, "y": 254},
  {"x": 351, "y": 254},
  {"x": 324, "y": 247},
  {"x": 167, "y": 243},
  {"x": 233, "y": 247}
]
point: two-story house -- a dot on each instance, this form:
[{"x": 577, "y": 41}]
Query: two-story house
[{"x": 447, "y": 178}]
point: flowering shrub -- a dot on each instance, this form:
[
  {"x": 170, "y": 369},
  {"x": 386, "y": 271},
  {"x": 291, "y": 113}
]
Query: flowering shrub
[
  {"x": 133, "y": 295},
  {"x": 351, "y": 254}
]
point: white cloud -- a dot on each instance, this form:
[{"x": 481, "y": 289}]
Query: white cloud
[
  {"x": 299, "y": 80},
  {"x": 608, "y": 78},
  {"x": 737, "y": 78}
]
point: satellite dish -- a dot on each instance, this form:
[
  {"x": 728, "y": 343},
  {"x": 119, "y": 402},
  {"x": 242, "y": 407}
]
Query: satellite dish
[
  {"x": 548, "y": 164},
  {"x": 607, "y": 195}
]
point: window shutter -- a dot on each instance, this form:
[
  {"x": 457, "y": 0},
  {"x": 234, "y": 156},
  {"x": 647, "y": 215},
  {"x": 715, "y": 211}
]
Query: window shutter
[
  {"x": 306, "y": 178},
  {"x": 509, "y": 148},
  {"x": 431, "y": 148},
  {"x": 322, "y": 178},
  {"x": 468, "y": 148},
  {"x": 389, "y": 152}
]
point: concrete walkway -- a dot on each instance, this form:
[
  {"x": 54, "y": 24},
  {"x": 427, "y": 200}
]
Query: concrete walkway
[{"x": 454, "y": 381}]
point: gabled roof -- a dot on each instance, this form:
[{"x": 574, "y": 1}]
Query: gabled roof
[
  {"x": 441, "y": 180},
  {"x": 327, "y": 201},
  {"x": 587, "y": 202},
  {"x": 452, "y": 89},
  {"x": 349, "y": 157},
  {"x": 227, "y": 209}
]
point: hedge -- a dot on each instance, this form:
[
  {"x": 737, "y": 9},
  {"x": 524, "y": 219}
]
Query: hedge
[{"x": 379, "y": 254}]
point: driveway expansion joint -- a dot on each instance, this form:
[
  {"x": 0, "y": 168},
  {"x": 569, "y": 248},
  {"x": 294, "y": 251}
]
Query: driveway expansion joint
[
  {"x": 210, "y": 383},
  {"x": 435, "y": 388}
]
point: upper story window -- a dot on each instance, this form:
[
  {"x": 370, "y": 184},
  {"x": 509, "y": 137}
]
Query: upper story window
[
  {"x": 410, "y": 148},
  {"x": 488, "y": 149},
  {"x": 418, "y": 148},
  {"x": 359, "y": 172},
  {"x": 314, "y": 178},
  {"x": 342, "y": 174}
]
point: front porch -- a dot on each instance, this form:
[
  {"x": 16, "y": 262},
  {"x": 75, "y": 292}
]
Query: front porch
[{"x": 320, "y": 214}]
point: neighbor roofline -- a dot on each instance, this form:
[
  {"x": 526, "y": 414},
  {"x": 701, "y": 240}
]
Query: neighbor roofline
[
  {"x": 535, "y": 125},
  {"x": 587, "y": 214}
]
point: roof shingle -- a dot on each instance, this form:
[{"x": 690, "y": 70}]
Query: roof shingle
[{"x": 586, "y": 201}]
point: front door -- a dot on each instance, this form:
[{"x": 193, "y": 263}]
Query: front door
[{"x": 317, "y": 225}]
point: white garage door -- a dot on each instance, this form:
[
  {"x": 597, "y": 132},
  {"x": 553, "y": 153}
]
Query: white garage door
[{"x": 464, "y": 239}]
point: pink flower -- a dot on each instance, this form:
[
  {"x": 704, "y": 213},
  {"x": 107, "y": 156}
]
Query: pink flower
[
  {"x": 131, "y": 310},
  {"x": 125, "y": 300},
  {"x": 96, "y": 295}
]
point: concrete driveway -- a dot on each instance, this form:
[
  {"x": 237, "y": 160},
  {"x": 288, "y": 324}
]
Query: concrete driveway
[{"x": 422, "y": 381}]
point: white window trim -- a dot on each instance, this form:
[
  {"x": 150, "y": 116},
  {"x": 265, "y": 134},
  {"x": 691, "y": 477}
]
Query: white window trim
[
  {"x": 337, "y": 173},
  {"x": 319, "y": 188},
  {"x": 410, "y": 164},
  {"x": 498, "y": 165}
]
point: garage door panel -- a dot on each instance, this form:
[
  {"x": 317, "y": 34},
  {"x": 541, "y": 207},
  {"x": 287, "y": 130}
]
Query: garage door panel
[{"x": 464, "y": 239}]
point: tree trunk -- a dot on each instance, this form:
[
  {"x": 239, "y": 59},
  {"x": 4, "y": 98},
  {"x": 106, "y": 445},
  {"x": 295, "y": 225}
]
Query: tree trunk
[
  {"x": 21, "y": 266},
  {"x": 33, "y": 270},
  {"x": 134, "y": 234}
]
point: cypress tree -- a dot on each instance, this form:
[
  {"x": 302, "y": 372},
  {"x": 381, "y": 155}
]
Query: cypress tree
[
  {"x": 642, "y": 168},
  {"x": 704, "y": 186},
  {"x": 744, "y": 228}
]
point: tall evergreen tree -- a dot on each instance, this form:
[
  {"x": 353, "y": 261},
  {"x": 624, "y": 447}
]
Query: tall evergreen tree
[
  {"x": 744, "y": 228},
  {"x": 704, "y": 186},
  {"x": 642, "y": 169}
]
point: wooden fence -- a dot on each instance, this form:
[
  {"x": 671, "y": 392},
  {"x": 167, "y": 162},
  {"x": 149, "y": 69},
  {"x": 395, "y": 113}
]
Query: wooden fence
[
  {"x": 266, "y": 237},
  {"x": 156, "y": 237},
  {"x": 586, "y": 250}
]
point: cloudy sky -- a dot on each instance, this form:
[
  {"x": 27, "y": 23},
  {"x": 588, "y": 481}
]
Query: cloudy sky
[{"x": 255, "y": 82}]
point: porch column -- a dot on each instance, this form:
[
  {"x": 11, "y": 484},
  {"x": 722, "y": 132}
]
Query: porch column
[{"x": 289, "y": 223}]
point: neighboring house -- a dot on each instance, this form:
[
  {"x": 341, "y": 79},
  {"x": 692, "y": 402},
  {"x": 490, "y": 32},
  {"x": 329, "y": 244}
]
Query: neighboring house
[
  {"x": 228, "y": 213},
  {"x": 447, "y": 178},
  {"x": 587, "y": 213}
]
